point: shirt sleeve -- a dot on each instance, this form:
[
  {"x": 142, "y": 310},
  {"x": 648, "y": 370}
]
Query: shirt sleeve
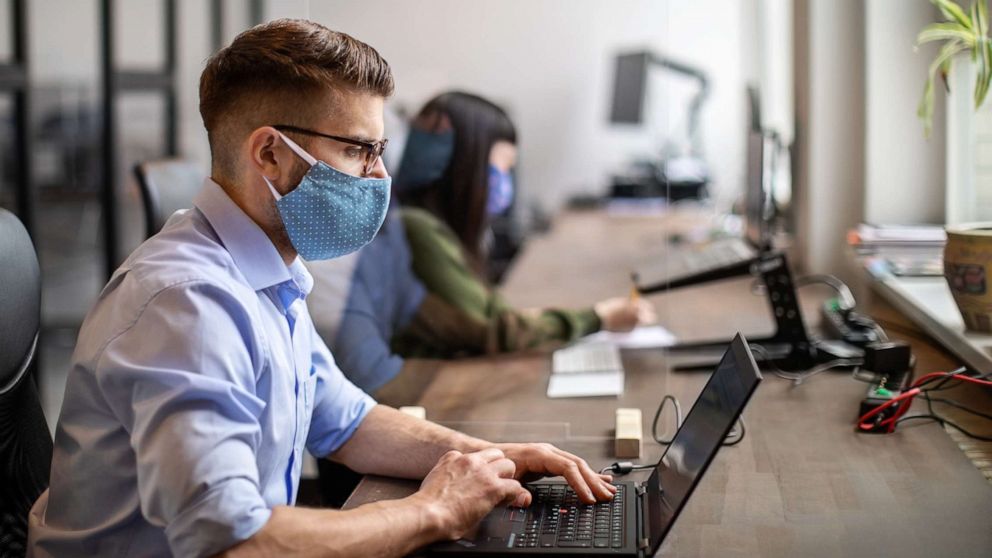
[
  {"x": 361, "y": 350},
  {"x": 181, "y": 381},
  {"x": 440, "y": 263},
  {"x": 339, "y": 406}
]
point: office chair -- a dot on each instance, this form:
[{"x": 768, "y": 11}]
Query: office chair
[
  {"x": 25, "y": 443},
  {"x": 166, "y": 186}
]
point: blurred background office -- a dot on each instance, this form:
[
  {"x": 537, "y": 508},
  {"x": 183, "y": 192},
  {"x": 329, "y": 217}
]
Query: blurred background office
[{"x": 91, "y": 88}]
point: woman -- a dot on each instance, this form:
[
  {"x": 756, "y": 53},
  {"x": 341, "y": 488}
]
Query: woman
[{"x": 456, "y": 173}]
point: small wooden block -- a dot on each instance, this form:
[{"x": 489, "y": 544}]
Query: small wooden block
[
  {"x": 628, "y": 433},
  {"x": 418, "y": 412}
]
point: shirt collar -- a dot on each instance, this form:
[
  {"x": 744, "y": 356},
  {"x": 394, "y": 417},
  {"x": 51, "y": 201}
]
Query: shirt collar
[
  {"x": 301, "y": 276},
  {"x": 251, "y": 248}
]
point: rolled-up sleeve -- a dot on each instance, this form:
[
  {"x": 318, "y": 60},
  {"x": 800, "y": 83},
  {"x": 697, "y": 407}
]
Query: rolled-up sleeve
[
  {"x": 364, "y": 353},
  {"x": 181, "y": 381},
  {"x": 339, "y": 405}
]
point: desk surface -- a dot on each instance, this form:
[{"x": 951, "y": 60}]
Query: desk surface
[{"x": 802, "y": 483}]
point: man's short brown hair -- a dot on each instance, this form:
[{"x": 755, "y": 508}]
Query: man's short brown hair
[{"x": 278, "y": 71}]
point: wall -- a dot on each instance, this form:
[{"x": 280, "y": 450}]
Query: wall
[
  {"x": 550, "y": 62},
  {"x": 904, "y": 172},
  {"x": 830, "y": 108}
]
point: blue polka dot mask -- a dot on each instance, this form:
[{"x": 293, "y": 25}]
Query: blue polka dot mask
[{"x": 331, "y": 213}]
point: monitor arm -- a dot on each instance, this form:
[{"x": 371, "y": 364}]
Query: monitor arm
[{"x": 697, "y": 101}]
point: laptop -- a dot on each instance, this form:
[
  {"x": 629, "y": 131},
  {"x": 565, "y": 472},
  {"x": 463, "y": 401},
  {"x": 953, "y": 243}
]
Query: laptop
[{"x": 636, "y": 521}]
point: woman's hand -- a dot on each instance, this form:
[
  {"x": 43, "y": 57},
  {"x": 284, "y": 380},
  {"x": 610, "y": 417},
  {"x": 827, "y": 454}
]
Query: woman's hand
[{"x": 623, "y": 314}]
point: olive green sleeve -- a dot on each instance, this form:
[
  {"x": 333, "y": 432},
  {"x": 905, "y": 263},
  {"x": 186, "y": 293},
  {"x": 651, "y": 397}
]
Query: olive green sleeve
[{"x": 487, "y": 323}]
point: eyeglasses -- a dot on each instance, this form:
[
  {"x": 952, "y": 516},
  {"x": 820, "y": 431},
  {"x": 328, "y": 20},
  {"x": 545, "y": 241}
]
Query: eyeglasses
[{"x": 371, "y": 150}]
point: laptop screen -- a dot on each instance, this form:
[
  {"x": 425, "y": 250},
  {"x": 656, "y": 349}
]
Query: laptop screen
[{"x": 695, "y": 444}]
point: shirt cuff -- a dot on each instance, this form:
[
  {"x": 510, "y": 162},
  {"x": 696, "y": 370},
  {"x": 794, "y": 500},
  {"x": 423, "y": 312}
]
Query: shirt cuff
[
  {"x": 220, "y": 518},
  {"x": 330, "y": 444},
  {"x": 588, "y": 322}
]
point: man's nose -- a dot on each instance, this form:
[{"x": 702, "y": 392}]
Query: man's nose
[{"x": 378, "y": 170}]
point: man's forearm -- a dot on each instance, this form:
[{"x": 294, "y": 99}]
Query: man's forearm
[
  {"x": 388, "y": 528},
  {"x": 393, "y": 444}
]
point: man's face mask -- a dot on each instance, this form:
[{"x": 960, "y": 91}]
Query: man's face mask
[
  {"x": 331, "y": 213},
  {"x": 425, "y": 158}
]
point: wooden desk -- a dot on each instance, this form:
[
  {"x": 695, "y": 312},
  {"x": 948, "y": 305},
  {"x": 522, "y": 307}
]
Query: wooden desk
[{"x": 802, "y": 483}]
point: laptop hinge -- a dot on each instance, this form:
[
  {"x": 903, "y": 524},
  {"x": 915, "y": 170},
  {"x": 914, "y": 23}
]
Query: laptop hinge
[{"x": 643, "y": 542}]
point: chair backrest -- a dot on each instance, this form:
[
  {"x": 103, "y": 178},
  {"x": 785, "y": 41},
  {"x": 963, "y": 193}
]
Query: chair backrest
[
  {"x": 166, "y": 186},
  {"x": 25, "y": 442}
]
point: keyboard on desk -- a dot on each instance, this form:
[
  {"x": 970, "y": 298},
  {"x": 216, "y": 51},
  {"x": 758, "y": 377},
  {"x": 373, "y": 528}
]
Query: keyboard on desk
[
  {"x": 584, "y": 358},
  {"x": 714, "y": 256},
  {"x": 558, "y": 519}
]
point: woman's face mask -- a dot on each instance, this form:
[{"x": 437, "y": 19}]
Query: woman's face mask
[
  {"x": 425, "y": 158},
  {"x": 500, "y": 191}
]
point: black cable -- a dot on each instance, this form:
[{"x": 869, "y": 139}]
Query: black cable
[
  {"x": 842, "y": 289},
  {"x": 964, "y": 408},
  {"x": 945, "y": 422},
  {"x": 736, "y": 435},
  {"x": 623, "y": 467},
  {"x": 738, "y": 439},
  {"x": 943, "y": 380},
  {"x": 657, "y": 415}
]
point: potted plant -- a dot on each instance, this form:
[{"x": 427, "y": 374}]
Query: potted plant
[
  {"x": 962, "y": 32},
  {"x": 968, "y": 253}
]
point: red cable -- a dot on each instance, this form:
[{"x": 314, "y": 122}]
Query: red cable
[
  {"x": 907, "y": 395},
  {"x": 955, "y": 376}
]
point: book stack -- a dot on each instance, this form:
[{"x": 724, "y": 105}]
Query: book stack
[{"x": 904, "y": 250}]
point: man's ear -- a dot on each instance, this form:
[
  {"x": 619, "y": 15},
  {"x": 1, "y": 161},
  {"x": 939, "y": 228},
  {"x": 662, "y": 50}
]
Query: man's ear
[{"x": 269, "y": 156}]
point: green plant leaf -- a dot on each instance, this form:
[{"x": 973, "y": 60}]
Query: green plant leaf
[
  {"x": 945, "y": 31},
  {"x": 979, "y": 18},
  {"x": 945, "y": 69},
  {"x": 925, "y": 111},
  {"x": 984, "y": 73},
  {"x": 943, "y": 64},
  {"x": 952, "y": 12}
]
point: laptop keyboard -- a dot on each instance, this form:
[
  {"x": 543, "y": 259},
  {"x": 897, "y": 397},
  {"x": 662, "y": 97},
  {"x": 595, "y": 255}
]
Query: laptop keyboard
[{"x": 558, "y": 519}]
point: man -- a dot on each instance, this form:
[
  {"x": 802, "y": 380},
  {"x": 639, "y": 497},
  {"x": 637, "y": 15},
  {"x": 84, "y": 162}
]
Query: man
[{"x": 198, "y": 379}]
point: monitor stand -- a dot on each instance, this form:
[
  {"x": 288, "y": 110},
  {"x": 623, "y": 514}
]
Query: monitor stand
[{"x": 790, "y": 347}]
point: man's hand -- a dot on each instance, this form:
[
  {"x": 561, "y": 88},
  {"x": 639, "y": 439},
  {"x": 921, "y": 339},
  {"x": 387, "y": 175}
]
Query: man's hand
[
  {"x": 463, "y": 487},
  {"x": 623, "y": 314},
  {"x": 534, "y": 461}
]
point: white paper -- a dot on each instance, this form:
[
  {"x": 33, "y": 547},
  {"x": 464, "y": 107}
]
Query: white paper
[
  {"x": 586, "y": 385},
  {"x": 644, "y": 337}
]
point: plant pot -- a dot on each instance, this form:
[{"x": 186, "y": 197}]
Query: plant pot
[{"x": 968, "y": 268}]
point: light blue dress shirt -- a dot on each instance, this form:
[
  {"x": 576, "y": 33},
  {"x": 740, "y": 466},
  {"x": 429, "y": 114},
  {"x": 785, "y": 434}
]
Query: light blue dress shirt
[
  {"x": 197, "y": 382},
  {"x": 361, "y": 300}
]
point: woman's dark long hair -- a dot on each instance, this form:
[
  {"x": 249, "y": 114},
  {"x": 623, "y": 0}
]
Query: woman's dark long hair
[{"x": 459, "y": 197}]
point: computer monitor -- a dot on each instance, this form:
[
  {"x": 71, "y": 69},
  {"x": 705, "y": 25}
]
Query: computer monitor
[
  {"x": 629, "y": 86},
  {"x": 754, "y": 107},
  {"x": 757, "y": 213}
]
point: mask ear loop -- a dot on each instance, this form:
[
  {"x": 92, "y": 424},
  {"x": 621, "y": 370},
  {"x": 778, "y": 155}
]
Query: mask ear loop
[{"x": 296, "y": 149}]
